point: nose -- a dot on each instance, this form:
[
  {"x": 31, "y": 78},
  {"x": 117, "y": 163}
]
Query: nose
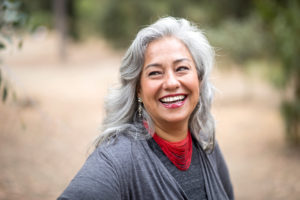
[{"x": 171, "y": 82}]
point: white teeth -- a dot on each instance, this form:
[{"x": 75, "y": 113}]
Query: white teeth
[{"x": 172, "y": 99}]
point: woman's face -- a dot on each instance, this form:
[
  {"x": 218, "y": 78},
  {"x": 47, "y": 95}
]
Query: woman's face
[{"x": 169, "y": 84}]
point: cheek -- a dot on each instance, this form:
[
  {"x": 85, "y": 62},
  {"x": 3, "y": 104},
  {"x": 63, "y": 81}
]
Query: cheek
[
  {"x": 149, "y": 94},
  {"x": 195, "y": 89},
  {"x": 149, "y": 90},
  {"x": 193, "y": 84}
]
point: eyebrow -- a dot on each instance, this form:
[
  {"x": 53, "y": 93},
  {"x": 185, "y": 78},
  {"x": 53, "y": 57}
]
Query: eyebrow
[
  {"x": 175, "y": 62},
  {"x": 181, "y": 59}
]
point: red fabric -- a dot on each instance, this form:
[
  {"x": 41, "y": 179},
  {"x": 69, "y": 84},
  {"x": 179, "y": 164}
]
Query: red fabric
[{"x": 179, "y": 153}]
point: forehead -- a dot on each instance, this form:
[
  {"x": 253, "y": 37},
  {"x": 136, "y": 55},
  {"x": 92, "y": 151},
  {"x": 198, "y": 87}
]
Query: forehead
[
  {"x": 166, "y": 45},
  {"x": 166, "y": 48}
]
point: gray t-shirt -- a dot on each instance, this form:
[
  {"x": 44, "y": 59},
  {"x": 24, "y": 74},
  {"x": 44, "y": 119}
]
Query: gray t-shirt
[{"x": 129, "y": 169}]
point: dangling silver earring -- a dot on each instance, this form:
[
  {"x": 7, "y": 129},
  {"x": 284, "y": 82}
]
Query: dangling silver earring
[{"x": 140, "y": 107}]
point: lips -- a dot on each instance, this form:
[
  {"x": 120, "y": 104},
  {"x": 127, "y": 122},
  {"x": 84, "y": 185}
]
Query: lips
[{"x": 173, "y": 101}]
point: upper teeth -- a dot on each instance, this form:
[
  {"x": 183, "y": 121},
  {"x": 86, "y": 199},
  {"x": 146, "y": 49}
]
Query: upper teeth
[{"x": 171, "y": 99}]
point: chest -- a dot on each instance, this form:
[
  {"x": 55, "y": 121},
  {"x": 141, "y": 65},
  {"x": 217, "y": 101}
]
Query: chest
[{"x": 192, "y": 180}]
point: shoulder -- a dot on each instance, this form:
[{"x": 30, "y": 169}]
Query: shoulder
[
  {"x": 217, "y": 160},
  {"x": 119, "y": 149},
  {"x": 103, "y": 171},
  {"x": 216, "y": 155}
]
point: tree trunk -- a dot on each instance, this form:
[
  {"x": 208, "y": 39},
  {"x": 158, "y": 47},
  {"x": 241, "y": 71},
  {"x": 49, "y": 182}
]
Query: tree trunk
[{"x": 61, "y": 26}]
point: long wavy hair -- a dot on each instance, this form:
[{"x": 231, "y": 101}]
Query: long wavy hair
[{"x": 121, "y": 104}]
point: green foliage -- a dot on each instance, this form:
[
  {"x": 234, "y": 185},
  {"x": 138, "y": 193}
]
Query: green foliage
[
  {"x": 282, "y": 23},
  {"x": 227, "y": 23},
  {"x": 40, "y": 13},
  {"x": 4, "y": 94},
  {"x": 121, "y": 20},
  {"x": 291, "y": 112},
  {"x": 40, "y": 18},
  {"x": 124, "y": 18},
  {"x": 12, "y": 20},
  {"x": 276, "y": 75},
  {"x": 2, "y": 46},
  {"x": 242, "y": 40},
  {"x": 220, "y": 10},
  {"x": 89, "y": 14},
  {"x": 10, "y": 15}
]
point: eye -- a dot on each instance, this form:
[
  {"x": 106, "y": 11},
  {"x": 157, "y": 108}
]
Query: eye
[
  {"x": 154, "y": 73},
  {"x": 182, "y": 68}
]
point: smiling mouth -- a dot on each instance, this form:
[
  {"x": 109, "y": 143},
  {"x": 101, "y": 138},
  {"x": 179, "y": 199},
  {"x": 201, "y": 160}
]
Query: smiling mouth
[{"x": 173, "y": 99}]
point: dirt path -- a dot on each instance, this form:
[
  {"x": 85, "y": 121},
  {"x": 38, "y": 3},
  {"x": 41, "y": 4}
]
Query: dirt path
[{"x": 44, "y": 139}]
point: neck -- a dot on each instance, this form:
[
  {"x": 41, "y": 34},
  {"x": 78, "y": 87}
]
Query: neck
[{"x": 172, "y": 133}]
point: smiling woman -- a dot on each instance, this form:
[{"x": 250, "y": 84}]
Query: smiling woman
[
  {"x": 169, "y": 87},
  {"x": 158, "y": 138}
]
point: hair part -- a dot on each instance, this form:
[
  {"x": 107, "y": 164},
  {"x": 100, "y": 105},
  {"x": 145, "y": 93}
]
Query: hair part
[{"x": 121, "y": 103}]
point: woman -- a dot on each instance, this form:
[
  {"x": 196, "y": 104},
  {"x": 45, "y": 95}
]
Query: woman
[{"x": 158, "y": 135}]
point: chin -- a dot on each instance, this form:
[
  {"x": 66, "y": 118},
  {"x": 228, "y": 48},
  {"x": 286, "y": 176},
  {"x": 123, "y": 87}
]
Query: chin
[{"x": 176, "y": 119}]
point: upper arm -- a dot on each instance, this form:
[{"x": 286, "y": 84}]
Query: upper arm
[{"x": 97, "y": 179}]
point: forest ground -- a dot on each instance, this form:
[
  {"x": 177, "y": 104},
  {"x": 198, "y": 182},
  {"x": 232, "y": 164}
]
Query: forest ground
[{"x": 46, "y": 134}]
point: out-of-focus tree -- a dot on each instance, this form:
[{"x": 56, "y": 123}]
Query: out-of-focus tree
[
  {"x": 122, "y": 19},
  {"x": 281, "y": 19},
  {"x": 61, "y": 25},
  {"x": 240, "y": 40},
  {"x": 229, "y": 24},
  {"x": 42, "y": 13},
  {"x": 12, "y": 20},
  {"x": 119, "y": 20},
  {"x": 56, "y": 14},
  {"x": 235, "y": 9}
]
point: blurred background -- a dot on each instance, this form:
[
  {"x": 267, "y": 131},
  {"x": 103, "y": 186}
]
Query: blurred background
[{"x": 58, "y": 58}]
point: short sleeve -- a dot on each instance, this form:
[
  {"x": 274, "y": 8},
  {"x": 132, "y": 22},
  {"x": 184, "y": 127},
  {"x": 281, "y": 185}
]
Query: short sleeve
[{"x": 97, "y": 179}]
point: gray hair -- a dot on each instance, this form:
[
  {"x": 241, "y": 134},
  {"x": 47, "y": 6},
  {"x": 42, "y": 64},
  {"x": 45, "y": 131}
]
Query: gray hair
[{"x": 121, "y": 103}]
